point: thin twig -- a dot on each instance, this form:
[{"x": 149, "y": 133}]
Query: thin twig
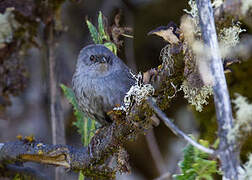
[
  {"x": 128, "y": 36},
  {"x": 52, "y": 82},
  {"x": 227, "y": 153},
  {"x": 176, "y": 130},
  {"x": 57, "y": 123},
  {"x": 165, "y": 176},
  {"x": 155, "y": 152}
]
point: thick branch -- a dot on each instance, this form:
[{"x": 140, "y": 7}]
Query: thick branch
[
  {"x": 59, "y": 155},
  {"x": 103, "y": 145},
  {"x": 227, "y": 153}
]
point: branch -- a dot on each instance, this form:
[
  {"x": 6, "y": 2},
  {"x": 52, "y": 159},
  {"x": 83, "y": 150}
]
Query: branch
[
  {"x": 155, "y": 152},
  {"x": 58, "y": 155},
  {"x": 227, "y": 153},
  {"x": 177, "y": 131},
  {"x": 107, "y": 140},
  {"x": 56, "y": 116},
  {"x": 55, "y": 106},
  {"x": 90, "y": 160},
  {"x": 165, "y": 176}
]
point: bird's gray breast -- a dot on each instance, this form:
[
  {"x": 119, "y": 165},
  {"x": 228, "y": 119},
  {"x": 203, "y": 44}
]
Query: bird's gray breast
[{"x": 98, "y": 95}]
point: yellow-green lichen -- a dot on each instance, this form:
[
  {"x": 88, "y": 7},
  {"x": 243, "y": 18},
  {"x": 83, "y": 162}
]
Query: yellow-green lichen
[
  {"x": 168, "y": 61},
  {"x": 217, "y": 3},
  {"x": 229, "y": 38},
  {"x": 243, "y": 118},
  {"x": 8, "y": 24},
  {"x": 195, "y": 15},
  {"x": 194, "y": 10},
  {"x": 137, "y": 93},
  {"x": 246, "y": 5},
  {"x": 245, "y": 172},
  {"x": 197, "y": 96}
]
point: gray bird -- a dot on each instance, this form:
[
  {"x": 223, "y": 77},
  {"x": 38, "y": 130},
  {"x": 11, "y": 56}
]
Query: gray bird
[{"x": 100, "y": 82}]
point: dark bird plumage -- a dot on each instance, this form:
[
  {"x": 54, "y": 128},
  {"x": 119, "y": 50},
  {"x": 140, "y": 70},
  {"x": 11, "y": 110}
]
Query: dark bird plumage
[{"x": 100, "y": 81}]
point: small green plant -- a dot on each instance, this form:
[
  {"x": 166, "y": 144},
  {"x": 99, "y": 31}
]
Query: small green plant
[
  {"x": 196, "y": 164},
  {"x": 100, "y": 36},
  {"x": 85, "y": 125}
]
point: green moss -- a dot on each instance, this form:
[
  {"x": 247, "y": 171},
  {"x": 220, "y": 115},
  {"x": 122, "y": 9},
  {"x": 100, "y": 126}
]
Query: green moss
[
  {"x": 207, "y": 122},
  {"x": 105, "y": 174},
  {"x": 240, "y": 82}
]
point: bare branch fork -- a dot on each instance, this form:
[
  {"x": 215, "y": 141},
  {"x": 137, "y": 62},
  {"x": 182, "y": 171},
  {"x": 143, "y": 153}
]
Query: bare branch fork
[{"x": 227, "y": 152}]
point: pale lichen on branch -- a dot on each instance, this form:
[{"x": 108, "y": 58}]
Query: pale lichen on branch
[
  {"x": 243, "y": 118},
  {"x": 137, "y": 93}
]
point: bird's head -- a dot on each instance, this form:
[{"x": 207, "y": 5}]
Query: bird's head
[{"x": 97, "y": 60}]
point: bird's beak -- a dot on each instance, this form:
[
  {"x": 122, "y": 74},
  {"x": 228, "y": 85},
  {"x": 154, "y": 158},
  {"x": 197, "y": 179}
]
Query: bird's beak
[{"x": 103, "y": 60}]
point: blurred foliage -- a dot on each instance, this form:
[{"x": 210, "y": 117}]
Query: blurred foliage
[
  {"x": 16, "y": 35},
  {"x": 196, "y": 164},
  {"x": 20, "y": 21},
  {"x": 85, "y": 125},
  {"x": 239, "y": 81}
]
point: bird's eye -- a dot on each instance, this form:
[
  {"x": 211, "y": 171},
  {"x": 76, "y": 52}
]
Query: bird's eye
[{"x": 92, "y": 58}]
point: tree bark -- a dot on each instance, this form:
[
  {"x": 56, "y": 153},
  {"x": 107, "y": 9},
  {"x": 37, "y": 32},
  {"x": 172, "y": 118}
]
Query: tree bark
[{"x": 228, "y": 154}]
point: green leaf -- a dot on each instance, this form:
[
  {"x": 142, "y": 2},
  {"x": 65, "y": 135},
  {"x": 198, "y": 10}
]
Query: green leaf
[
  {"x": 196, "y": 164},
  {"x": 93, "y": 32},
  {"x": 111, "y": 46},
  {"x": 17, "y": 177},
  {"x": 86, "y": 126},
  {"x": 81, "y": 176},
  {"x": 69, "y": 94},
  {"x": 101, "y": 29},
  {"x": 82, "y": 120},
  {"x": 91, "y": 128}
]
